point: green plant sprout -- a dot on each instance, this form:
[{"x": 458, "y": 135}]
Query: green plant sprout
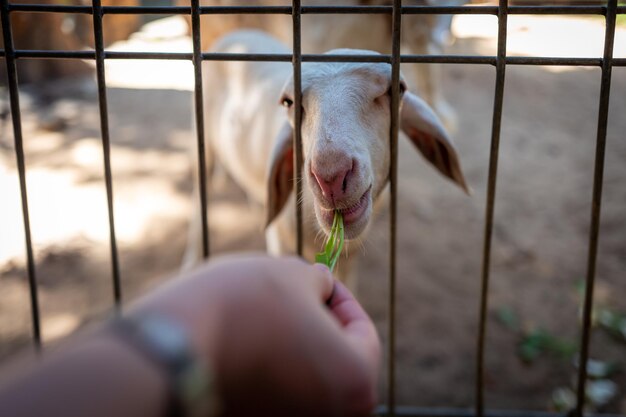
[
  {"x": 600, "y": 389},
  {"x": 334, "y": 244}
]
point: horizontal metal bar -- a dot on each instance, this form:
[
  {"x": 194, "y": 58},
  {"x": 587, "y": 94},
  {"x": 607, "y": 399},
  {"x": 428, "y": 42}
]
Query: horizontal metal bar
[
  {"x": 378, "y": 58},
  {"x": 211, "y": 56},
  {"x": 166, "y": 10},
  {"x": 245, "y": 10},
  {"x": 450, "y": 10},
  {"x": 36, "y": 54},
  {"x": 363, "y": 58},
  {"x": 568, "y": 62},
  {"x": 149, "y": 55},
  {"x": 410, "y": 59},
  {"x": 50, "y": 8},
  {"x": 146, "y": 10},
  {"x": 411, "y": 10},
  {"x": 347, "y": 9},
  {"x": 447, "y": 59},
  {"x": 407, "y": 10},
  {"x": 510, "y": 60},
  {"x": 206, "y": 56},
  {"x": 619, "y": 62},
  {"x": 543, "y": 10},
  {"x": 462, "y": 412},
  {"x": 493, "y": 10}
]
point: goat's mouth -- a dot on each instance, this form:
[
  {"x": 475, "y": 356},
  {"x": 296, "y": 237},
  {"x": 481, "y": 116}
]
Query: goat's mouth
[{"x": 355, "y": 215}]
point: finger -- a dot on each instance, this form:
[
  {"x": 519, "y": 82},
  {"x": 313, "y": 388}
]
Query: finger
[
  {"x": 318, "y": 277},
  {"x": 355, "y": 322},
  {"x": 326, "y": 280}
]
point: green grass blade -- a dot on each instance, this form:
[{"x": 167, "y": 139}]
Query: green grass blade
[
  {"x": 335, "y": 258},
  {"x": 330, "y": 244},
  {"x": 334, "y": 243}
]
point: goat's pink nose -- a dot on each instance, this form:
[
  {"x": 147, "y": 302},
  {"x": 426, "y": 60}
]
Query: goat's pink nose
[{"x": 333, "y": 180}]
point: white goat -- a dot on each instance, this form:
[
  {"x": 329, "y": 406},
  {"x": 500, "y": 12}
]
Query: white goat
[{"x": 345, "y": 135}]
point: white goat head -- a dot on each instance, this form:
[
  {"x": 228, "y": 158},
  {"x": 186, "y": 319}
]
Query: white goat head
[{"x": 345, "y": 137}]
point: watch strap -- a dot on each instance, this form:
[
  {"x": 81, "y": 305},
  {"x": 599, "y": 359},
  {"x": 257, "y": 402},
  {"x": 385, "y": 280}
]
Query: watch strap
[{"x": 165, "y": 343}]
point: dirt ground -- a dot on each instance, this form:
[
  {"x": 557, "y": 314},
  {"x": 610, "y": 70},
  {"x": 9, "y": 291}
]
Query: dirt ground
[{"x": 540, "y": 237}]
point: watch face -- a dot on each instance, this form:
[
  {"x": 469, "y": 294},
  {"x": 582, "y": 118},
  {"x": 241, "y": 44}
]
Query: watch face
[{"x": 168, "y": 337}]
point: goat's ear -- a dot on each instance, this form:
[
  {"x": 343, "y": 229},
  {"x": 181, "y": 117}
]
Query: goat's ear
[
  {"x": 280, "y": 181},
  {"x": 426, "y": 132}
]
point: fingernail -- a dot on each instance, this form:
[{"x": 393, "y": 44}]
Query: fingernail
[{"x": 322, "y": 268}]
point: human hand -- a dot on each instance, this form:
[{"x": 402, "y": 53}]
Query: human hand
[{"x": 274, "y": 346}]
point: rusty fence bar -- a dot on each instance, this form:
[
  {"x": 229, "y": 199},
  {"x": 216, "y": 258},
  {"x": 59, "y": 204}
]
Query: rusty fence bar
[
  {"x": 204, "y": 10},
  {"x": 199, "y": 116},
  {"x": 21, "y": 167},
  {"x": 297, "y": 134},
  {"x": 598, "y": 174},
  {"x": 395, "y": 59},
  {"x": 106, "y": 148},
  {"x": 405, "y": 59},
  {"x": 489, "y": 207},
  {"x": 396, "y": 28}
]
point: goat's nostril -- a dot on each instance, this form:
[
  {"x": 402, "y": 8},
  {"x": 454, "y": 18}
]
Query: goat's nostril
[
  {"x": 332, "y": 186},
  {"x": 333, "y": 179}
]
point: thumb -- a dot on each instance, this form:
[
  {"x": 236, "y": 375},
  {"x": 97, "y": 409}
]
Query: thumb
[{"x": 324, "y": 281}]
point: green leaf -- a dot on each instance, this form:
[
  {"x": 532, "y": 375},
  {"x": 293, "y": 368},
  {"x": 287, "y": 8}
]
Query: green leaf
[
  {"x": 539, "y": 341},
  {"x": 321, "y": 258},
  {"x": 335, "y": 258},
  {"x": 508, "y": 318},
  {"x": 334, "y": 244}
]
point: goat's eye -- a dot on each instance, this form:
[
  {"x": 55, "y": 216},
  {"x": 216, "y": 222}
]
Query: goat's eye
[{"x": 286, "y": 102}]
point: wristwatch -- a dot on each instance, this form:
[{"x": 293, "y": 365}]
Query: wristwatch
[{"x": 165, "y": 343}]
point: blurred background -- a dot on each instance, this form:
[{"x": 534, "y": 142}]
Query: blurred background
[{"x": 542, "y": 216}]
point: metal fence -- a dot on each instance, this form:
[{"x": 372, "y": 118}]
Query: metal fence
[{"x": 296, "y": 10}]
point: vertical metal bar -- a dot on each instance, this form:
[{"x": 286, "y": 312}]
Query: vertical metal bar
[
  {"x": 489, "y": 210},
  {"x": 106, "y": 147},
  {"x": 297, "y": 136},
  {"x": 393, "y": 204},
  {"x": 21, "y": 167},
  {"x": 598, "y": 174},
  {"x": 199, "y": 104}
]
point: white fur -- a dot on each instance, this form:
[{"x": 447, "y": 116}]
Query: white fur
[{"x": 346, "y": 117}]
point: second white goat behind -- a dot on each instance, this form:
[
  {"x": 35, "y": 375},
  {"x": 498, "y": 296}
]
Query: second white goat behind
[{"x": 345, "y": 137}]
